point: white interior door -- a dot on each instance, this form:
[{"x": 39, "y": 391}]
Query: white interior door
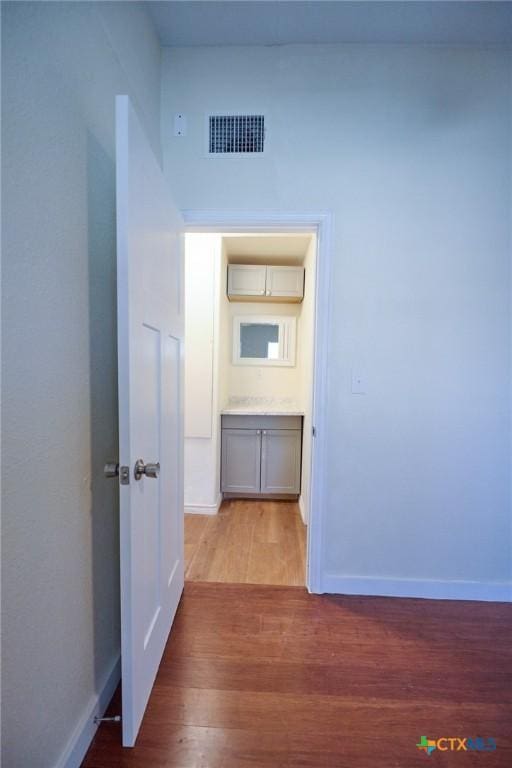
[{"x": 150, "y": 351}]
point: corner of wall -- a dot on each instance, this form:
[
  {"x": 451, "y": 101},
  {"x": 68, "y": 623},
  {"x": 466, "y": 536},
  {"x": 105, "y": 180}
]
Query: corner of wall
[
  {"x": 86, "y": 728},
  {"x": 303, "y": 509}
]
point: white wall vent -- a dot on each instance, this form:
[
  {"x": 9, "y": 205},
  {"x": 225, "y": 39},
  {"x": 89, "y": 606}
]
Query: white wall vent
[{"x": 236, "y": 134}]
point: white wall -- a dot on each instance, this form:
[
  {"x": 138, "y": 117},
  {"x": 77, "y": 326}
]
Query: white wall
[
  {"x": 62, "y": 65},
  {"x": 203, "y": 257},
  {"x": 225, "y": 331},
  {"x": 409, "y": 147},
  {"x": 306, "y": 362},
  {"x": 202, "y": 253},
  {"x": 262, "y": 380}
]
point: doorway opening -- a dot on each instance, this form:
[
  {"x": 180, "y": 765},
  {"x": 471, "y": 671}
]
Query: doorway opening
[{"x": 250, "y": 319}]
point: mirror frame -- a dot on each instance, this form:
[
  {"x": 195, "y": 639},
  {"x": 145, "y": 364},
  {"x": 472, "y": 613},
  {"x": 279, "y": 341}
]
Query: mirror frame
[{"x": 287, "y": 339}]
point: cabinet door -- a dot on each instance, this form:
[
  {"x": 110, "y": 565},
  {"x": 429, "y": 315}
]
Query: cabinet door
[
  {"x": 285, "y": 282},
  {"x": 241, "y": 460},
  {"x": 246, "y": 280},
  {"x": 280, "y": 461}
]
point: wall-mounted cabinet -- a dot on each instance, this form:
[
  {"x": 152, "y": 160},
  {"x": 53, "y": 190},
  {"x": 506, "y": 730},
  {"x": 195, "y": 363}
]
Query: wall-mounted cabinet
[
  {"x": 250, "y": 282},
  {"x": 246, "y": 280},
  {"x": 261, "y": 456}
]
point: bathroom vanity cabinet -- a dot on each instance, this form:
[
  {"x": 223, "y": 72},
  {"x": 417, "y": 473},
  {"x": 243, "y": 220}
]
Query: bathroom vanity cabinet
[{"x": 261, "y": 456}]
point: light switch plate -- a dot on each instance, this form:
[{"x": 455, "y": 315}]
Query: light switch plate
[{"x": 358, "y": 381}]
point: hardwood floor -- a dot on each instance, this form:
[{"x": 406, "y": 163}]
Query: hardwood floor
[
  {"x": 247, "y": 542},
  {"x": 260, "y": 677}
]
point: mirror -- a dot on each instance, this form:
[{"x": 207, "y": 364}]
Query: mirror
[
  {"x": 259, "y": 341},
  {"x": 263, "y": 340}
]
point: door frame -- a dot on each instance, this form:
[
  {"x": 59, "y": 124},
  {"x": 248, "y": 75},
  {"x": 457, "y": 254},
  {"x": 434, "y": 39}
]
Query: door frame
[{"x": 321, "y": 224}]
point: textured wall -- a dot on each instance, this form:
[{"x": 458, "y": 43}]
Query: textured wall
[
  {"x": 409, "y": 147},
  {"x": 63, "y": 64}
]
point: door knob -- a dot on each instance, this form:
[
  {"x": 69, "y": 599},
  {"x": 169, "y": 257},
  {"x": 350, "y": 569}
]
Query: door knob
[
  {"x": 111, "y": 469},
  {"x": 150, "y": 470}
]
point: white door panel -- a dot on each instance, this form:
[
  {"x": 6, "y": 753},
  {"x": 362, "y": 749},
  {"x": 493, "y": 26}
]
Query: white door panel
[{"x": 150, "y": 351}]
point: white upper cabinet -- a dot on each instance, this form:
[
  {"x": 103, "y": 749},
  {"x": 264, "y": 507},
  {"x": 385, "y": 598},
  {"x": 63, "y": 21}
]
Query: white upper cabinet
[
  {"x": 248, "y": 282},
  {"x": 285, "y": 282}
]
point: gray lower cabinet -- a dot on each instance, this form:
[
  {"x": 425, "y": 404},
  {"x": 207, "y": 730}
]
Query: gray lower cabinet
[
  {"x": 261, "y": 456},
  {"x": 241, "y": 460},
  {"x": 280, "y": 461}
]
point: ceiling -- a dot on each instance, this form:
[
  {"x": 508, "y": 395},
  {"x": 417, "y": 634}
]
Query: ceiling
[
  {"x": 268, "y": 22},
  {"x": 266, "y": 249}
]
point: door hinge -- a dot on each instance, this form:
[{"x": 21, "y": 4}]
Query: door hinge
[
  {"x": 124, "y": 475},
  {"x": 313, "y": 431},
  {"x": 114, "y": 719}
]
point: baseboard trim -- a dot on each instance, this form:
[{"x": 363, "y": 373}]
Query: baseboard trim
[
  {"x": 203, "y": 509},
  {"x": 500, "y": 592},
  {"x": 85, "y": 730}
]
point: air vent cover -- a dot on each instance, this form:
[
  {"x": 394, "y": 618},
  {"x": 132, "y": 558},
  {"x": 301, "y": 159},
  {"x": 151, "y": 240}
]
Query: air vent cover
[{"x": 236, "y": 134}]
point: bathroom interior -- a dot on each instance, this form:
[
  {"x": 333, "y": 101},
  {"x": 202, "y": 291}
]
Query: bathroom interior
[{"x": 249, "y": 363}]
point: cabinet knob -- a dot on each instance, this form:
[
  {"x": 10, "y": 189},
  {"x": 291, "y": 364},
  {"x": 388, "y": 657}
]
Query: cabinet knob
[{"x": 264, "y": 431}]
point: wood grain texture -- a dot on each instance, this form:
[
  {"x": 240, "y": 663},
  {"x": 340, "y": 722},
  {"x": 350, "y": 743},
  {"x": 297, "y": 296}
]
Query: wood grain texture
[
  {"x": 247, "y": 542},
  {"x": 271, "y": 676}
]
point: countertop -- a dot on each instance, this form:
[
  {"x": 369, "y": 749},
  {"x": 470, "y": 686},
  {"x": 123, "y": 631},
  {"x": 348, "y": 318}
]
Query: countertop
[{"x": 261, "y": 406}]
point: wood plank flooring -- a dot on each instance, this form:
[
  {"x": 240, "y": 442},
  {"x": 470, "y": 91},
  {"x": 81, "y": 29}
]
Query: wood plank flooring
[
  {"x": 261, "y": 676},
  {"x": 247, "y": 542}
]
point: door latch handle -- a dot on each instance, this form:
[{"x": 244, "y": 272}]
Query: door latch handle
[{"x": 150, "y": 470}]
